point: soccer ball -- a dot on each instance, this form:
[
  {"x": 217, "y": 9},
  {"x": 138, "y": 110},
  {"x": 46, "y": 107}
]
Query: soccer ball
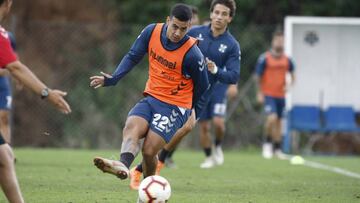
[{"x": 154, "y": 189}]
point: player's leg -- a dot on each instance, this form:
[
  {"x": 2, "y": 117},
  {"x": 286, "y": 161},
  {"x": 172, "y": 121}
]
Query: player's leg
[
  {"x": 5, "y": 107},
  {"x": 8, "y": 180},
  {"x": 218, "y": 118},
  {"x": 136, "y": 127},
  {"x": 205, "y": 142},
  {"x": 277, "y": 130},
  {"x": 169, "y": 161},
  {"x": 176, "y": 139},
  {"x": 271, "y": 117},
  {"x": 166, "y": 121},
  {"x": 219, "y": 126},
  {"x": 152, "y": 145},
  {"x": 136, "y": 172},
  {"x": 5, "y": 125}
]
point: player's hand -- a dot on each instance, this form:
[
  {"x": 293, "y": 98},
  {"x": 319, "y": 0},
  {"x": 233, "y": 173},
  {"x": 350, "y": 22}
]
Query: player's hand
[
  {"x": 211, "y": 66},
  {"x": 56, "y": 98},
  {"x": 97, "y": 81},
  {"x": 260, "y": 98},
  {"x": 232, "y": 91}
]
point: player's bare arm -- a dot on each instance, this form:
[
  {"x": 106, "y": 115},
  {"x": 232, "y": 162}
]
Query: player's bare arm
[{"x": 25, "y": 76}]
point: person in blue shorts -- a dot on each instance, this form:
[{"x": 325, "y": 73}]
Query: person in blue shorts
[
  {"x": 271, "y": 70},
  {"x": 220, "y": 47},
  {"x": 19, "y": 71},
  {"x": 222, "y": 52},
  {"x": 177, "y": 80},
  {"x": 6, "y": 99}
]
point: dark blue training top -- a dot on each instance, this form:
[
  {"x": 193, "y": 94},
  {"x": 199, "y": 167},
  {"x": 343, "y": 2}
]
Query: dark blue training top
[
  {"x": 193, "y": 63},
  {"x": 224, "y": 50}
]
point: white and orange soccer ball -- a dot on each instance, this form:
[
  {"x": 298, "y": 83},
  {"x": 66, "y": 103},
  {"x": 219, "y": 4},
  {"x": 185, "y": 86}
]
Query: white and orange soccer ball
[{"x": 154, "y": 189}]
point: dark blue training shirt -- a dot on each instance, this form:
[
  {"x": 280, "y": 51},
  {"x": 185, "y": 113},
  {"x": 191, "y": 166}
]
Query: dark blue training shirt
[
  {"x": 193, "y": 62},
  {"x": 224, "y": 50}
]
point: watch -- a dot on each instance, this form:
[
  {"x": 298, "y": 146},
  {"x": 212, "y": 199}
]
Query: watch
[{"x": 44, "y": 93}]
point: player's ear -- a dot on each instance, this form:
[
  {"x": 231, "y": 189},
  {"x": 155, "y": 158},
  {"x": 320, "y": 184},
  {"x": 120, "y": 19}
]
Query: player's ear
[{"x": 168, "y": 20}]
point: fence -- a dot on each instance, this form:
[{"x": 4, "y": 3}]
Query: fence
[{"x": 65, "y": 55}]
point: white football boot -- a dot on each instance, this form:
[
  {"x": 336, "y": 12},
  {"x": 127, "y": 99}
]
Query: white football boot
[
  {"x": 218, "y": 155},
  {"x": 267, "y": 150},
  {"x": 209, "y": 162},
  {"x": 116, "y": 168},
  {"x": 280, "y": 155}
]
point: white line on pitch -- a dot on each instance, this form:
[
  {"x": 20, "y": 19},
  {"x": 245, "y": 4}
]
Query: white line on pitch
[
  {"x": 317, "y": 165},
  {"x": 331, "y": 168}
]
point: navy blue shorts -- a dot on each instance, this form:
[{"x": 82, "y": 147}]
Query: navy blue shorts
[
  {"x": 216, "y": 106},
  {"x": 2, "y": 141},
  {"x": 5, "y": 93},
  {"x": 164, "y": 119},
  {"x": 274, "y": 105}
]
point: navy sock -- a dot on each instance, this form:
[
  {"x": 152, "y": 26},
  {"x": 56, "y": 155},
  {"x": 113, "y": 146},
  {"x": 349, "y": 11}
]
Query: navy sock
[
  {"x": 163, "y": 154},
  {"x": 268, "y": 139},
  {"x": 207, "y": 151},
  {"x": 171, "y": 153},
  {"x": 139, "y": 168},
  {"x": 217, "y": 142},
  {"x": 277, "y": 145},
  {"x": 127, "y": 158}
]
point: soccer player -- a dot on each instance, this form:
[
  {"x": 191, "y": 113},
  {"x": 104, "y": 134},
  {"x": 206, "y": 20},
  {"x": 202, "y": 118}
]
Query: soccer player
[
  {"x": 177, "y": 80},
  {"x": 6, "y": 98},
  {"x": 8, "y": 60},
  {"x": 217, "y": 44},
  {"x": 222, "y": 52},
  {"x": 169, "y": 162},
  {"x": 271, "y": 70}
]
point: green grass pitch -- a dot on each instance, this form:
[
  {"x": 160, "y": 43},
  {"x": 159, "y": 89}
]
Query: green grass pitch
[{"x": 68, "y": 176}]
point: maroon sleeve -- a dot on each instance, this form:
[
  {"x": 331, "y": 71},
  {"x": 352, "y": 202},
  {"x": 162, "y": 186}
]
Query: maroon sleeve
[{"x": 7, "y": 55}]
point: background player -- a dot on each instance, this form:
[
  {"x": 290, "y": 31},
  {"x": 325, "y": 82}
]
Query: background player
[
  {"x": 6, "y": 98},
  {"x": 219, "y": 46},
  {"x": 177, "y": 80},
  {"x": 231, "y": 91},
  {"x": 8, "y": 60},
  {"x": 271, "y": 70}
]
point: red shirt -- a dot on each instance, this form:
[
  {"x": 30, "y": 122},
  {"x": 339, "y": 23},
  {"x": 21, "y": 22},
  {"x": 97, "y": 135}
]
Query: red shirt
[{"x": 7, "y": 54}]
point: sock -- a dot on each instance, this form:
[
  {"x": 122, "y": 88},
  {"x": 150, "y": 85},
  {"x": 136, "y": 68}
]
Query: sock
[
  {"x": 139, "y": 168},
  {"x": 277, "y": 145},
  {"x": 217, "y": 142},
  {"x": 171, "y": 153},
  {"x": 127, "y": 158},
  {"x": 268, "y": 139},
  {"x": 163, "y": 154},
  {"x": 207, "y": 151}
]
